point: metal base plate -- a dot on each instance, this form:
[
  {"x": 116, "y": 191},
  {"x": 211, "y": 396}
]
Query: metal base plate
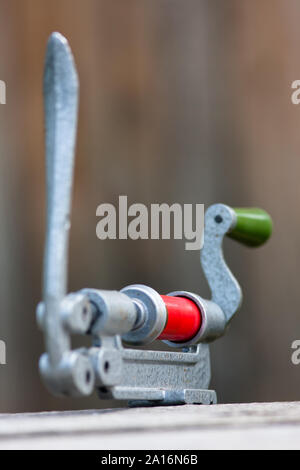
[{"x": 180, "y": 397}]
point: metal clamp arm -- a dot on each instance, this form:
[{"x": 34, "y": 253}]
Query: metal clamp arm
[
  {"x": 249, "y": 226},
  {"x": 64, "y": 371}
]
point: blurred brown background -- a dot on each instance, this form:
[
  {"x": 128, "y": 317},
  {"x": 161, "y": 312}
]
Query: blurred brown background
[{"x": 181, "y": 101}]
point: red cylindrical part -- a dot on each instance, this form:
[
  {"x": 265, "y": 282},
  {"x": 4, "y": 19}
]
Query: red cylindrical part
[{"x": 184, "y": 319}]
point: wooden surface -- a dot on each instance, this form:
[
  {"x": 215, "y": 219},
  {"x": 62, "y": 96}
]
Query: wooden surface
[{"x": 236, "y": 426}]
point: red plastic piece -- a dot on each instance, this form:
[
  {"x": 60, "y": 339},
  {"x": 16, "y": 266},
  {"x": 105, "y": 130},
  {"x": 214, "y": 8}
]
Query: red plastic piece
[{"x": 184, "y": 319}]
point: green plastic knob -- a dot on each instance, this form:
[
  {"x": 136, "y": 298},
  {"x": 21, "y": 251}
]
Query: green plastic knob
[{"x": 253, "y": 226}]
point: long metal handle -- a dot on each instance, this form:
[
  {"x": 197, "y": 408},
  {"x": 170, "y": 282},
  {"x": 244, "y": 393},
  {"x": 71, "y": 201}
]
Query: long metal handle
[{"x": 61, "y": 103}]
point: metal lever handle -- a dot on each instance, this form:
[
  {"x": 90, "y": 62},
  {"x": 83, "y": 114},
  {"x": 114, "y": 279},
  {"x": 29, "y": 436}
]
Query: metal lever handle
[
  {"x": 61, "y": 101},
  {"x": 64, "y": 371},
  {"x": 249, "y": 226}
]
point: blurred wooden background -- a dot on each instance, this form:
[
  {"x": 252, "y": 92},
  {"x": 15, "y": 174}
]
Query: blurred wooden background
[{"x": 181, "y": 101}]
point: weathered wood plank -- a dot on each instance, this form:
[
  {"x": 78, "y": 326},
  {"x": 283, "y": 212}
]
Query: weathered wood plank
[{"x": 235, "y": 426}]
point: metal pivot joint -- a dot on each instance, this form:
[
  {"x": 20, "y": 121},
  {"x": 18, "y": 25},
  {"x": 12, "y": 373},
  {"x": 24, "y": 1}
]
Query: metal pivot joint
[{"x": 137, "y": 315}]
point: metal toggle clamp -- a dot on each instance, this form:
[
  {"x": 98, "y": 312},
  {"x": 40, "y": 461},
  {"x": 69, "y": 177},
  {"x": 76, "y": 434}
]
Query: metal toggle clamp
[{"x": 137, "y": 315}]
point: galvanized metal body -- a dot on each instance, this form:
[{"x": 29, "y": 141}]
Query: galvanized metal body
[
  {"x": 137, "y": 314},
  {"x": 154, "y": 377}
]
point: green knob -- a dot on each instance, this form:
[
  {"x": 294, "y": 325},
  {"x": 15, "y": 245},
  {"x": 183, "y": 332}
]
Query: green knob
[{"x": 253, "y": 226}]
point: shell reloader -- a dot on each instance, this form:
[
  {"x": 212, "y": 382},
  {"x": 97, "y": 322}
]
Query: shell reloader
[{"x": 137, "y": 315}]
